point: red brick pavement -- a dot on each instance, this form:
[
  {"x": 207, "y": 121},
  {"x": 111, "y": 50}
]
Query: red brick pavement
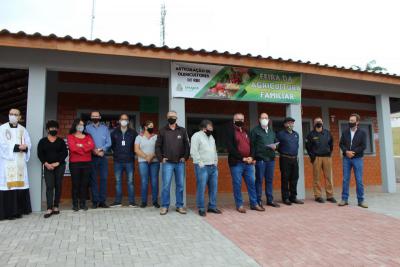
[{"x": 313, "y": 235}]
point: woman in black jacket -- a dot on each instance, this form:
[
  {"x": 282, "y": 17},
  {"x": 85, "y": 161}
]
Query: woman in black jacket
[{"x": 52, "y": 152}]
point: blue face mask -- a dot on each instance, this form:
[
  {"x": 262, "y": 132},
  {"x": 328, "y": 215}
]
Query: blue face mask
[{"x": 80, "y": 128}]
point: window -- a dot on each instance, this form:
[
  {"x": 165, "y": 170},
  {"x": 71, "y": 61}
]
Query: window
[
  {"x": 219, "y": 124},
  {"x": 367, "y": 128},
  {"x": 110, "y": 119}
]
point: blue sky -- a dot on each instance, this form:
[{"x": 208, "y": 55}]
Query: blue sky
[{"x": 333, "y": 32}]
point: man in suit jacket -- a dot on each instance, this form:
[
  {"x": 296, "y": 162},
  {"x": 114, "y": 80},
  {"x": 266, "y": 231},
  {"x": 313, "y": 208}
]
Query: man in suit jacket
[{"x": 353, "y": 143}]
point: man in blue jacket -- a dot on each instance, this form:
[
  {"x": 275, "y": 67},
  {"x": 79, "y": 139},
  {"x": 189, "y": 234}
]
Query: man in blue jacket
[{"x": 123, "y": 139}]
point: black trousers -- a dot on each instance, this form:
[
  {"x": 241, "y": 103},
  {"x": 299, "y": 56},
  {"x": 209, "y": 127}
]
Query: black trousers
[
  {"x": 289, "y": 176},
  {"x": 53, "y": 181},
  {"x": 80, "y": 175}
]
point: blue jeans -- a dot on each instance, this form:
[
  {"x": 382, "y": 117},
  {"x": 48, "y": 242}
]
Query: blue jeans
[
  {"x": 357, "y": 164},
  {"x": 206, "y": 176},
  {"x": 149, "y": 170},
  {"x": 129, "y": 168},
  {"x": 168, "y": 169},
  {"x": 246, "y": 171},
  {"x": 99, "y": 194},
  {"x": 265, "y": 169}
]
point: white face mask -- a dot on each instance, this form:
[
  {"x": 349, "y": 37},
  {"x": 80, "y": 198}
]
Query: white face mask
[
  {"x": 80, "y": 128},
  {"x": 123, "y": 123},
  {"x": 264, "y": 122},
  {"x": 13, "y": 119}
]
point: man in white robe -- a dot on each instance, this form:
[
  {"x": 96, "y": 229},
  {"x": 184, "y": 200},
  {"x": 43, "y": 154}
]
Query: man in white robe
[{"x": 15, "y": 146}]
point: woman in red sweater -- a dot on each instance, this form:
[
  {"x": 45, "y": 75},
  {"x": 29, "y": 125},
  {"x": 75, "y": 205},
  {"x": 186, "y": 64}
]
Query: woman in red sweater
[{"x": 80, "y": 156}]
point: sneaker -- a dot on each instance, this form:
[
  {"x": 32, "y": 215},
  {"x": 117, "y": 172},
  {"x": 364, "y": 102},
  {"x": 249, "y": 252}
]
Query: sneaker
[
  {"x": 163, "y": 211},
  {"x": 319, "y": 200},
  {"x": 143, "y": 205},
  {"x": 115, "y": 205},
  {"x": 156, "y": 205},
  {"x": 363, "y": 205},
  {"x": 343, "y": 203},
  {"x": 331, "y": 199},
  {"x": 181, "y": 210},
  {"x": 133, "y": 205}
]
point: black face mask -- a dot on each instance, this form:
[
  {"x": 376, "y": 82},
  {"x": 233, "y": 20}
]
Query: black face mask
[
  {"x": 239, "y": 123},
  {"x": 171, "y": 120},
  {"x": 95, "y": 120},
  {"x": 352, "y": 124},
  {"x": 53, "y": 132},
  {"x": 150, "y": 130},
  {"x": 318, "y": 125},
  {"x": 208, "y": 132}
]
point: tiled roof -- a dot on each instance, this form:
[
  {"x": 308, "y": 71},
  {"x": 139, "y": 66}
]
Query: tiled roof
[{"x": 191, "y": 50}]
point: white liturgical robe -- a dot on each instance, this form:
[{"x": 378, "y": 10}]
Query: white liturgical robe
[{"x": 13, "y": 165}]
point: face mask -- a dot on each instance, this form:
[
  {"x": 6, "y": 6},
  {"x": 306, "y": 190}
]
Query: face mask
[
  {"x": 150, "y": 130},
  {"x": 13, "y": 119},
  {"x": 239, "y": 123},
  {"x": 171, "y": 120},
  {"x": 80, "y": 128},
  {"x": 318, "y": 125},
  {"x": 208, "y": 132},
  {"x": 352, "y": 124},
  {"x": 264, "y": 122},
  {"x": 53, "y": 132},
  {"x": 289, "y": 127},
  {"x": 123, "y": 123},
  {"x": 95, "y": 120}
]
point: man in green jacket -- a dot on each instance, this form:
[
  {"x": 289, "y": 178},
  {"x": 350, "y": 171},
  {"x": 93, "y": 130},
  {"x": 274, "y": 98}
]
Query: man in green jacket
[{"x": 263, "y": 145}]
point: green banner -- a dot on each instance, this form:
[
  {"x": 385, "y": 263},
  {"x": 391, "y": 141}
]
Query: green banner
[{"x": 235, "y": 83}]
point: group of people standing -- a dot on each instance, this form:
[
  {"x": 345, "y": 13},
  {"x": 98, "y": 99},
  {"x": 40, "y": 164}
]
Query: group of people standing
[{"x": 251, "y": 156}]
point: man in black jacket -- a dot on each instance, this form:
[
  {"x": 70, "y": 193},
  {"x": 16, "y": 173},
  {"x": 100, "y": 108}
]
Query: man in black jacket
[
  {"x": 353, "y": 143},
  {"x": 172, "y": 150},
  {"x": 122, "y": 144},
  {"x": 319, "y": 145},
  {"x": 241, "y": 163}
]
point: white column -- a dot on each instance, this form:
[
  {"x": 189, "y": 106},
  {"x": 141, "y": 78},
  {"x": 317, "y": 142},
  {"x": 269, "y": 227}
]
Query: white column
[
  {"x": 35, "y": 126},
  {"x": 294, "y": 111},
  {"x": 178, "y": 104},
  {"x": 386, "y": 144},
  {"x": 253, "y": 115}
]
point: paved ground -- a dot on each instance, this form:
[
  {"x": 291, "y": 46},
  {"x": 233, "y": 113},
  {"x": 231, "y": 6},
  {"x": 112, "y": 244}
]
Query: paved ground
[{"x": 309, "y": 235}]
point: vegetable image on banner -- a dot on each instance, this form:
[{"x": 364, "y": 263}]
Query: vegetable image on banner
[{"x": 234, "y": 83}]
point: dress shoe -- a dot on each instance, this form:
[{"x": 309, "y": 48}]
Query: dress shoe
[
  {"x": 156, "y": 205},
  {"x": 216, "y": 211},
  {"x": 202, "y": 213},
  {"x": 143, "y": 205},
  {"x": 363, "y": 205},
  {"x": 55, "y": 212},
  {"x": 103, "y": 205},
  {"x": 273, "y": 204},
  {"x": 94, "y": 206},
  {"x": 297, "y": 201},
  {"x": 47, "y": 215},
  {"x": 257, "y": 208},
  {"x": 75, "y": 208},
  {"x": 319, "y": 200},
  {"x": 343, "y": 203},
  {"x": 331, "y": 199},
  {"x": 241, "y": 209},
  {"x": 287, "y": 202}
]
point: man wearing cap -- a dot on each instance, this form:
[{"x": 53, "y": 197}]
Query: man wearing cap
[{"x": 288, "y": 162}]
